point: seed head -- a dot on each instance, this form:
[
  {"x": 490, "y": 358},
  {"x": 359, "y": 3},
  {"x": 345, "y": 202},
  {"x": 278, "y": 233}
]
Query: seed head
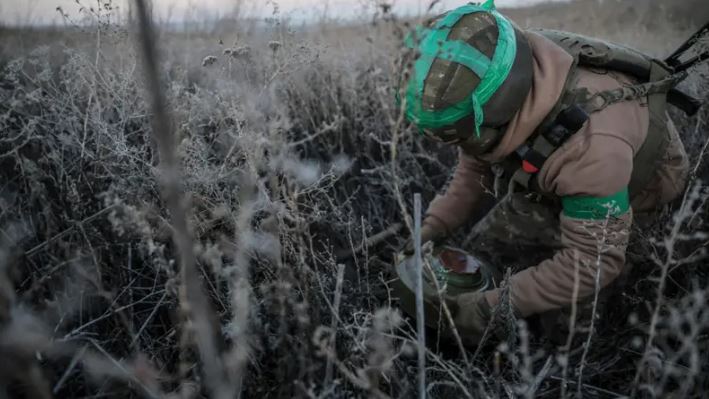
[{"x": 209, "y": 60}]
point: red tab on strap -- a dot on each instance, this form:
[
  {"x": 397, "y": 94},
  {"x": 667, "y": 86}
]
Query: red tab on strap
[{"x": 528, "y": 167}]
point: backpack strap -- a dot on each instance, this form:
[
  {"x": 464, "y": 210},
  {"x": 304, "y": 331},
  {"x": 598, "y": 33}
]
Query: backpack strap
[
  {"x": 650, "y": 154},
  {"x": 564, "y": 119},
  {"x": 538, "y": 147}
]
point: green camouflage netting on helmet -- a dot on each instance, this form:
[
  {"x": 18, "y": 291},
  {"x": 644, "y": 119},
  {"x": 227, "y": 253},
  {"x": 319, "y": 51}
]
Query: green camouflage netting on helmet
[{"x": 486, "y": 67}]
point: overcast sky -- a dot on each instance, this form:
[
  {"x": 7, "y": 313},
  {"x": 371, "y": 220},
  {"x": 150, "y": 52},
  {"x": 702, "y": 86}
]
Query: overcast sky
[{"x": 23, "y": 12}]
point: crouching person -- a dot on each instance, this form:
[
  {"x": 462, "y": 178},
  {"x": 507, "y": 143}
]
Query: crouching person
[{"x": 556, "y": 131}]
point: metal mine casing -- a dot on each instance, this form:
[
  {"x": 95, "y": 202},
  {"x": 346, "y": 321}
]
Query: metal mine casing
[{"x": 475, "y": 276}]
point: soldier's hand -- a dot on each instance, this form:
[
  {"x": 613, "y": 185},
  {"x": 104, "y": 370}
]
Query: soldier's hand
[
  {"x": 472, "y": 316},
  {"x": 428, "y": 233}
]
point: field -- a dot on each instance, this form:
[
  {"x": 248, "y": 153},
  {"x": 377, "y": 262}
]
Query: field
[{"x": 224, "y": 276}]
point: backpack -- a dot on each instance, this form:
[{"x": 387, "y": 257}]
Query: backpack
[{"x": 658, "y": 80}]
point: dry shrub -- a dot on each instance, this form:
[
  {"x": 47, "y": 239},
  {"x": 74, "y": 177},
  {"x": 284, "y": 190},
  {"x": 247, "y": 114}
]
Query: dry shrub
[{"x": 291, "y": 149}]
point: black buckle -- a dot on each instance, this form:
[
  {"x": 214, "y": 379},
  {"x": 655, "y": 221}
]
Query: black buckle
[
  {"x": 529, "y": 154},
  {"x": 569, "y": 121}
]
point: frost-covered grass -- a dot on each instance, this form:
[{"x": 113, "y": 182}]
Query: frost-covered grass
[{"x": 291, "y": 150}]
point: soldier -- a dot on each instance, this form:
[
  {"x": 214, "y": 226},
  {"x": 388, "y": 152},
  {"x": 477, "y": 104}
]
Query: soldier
[{"x": 568, "y": 135}]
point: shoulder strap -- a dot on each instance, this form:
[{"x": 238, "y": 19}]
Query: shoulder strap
[
  {"x": 649, "y": 156},
  {"x": 538, "y": 148}
]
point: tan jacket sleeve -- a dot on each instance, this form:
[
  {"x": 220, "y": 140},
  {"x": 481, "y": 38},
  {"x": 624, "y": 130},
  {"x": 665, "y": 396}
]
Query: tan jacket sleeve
[
  {"x": 589, "y": 246},
  {"x": 471, "y": 179},
  {"x": 595, "y": 165}
]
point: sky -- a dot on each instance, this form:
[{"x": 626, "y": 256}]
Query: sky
[{"x": 34, "y": 12}]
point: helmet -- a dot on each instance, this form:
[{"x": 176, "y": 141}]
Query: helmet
[
  {"x": 472, "y": 72},
  {"x": 452, "y": 272}
]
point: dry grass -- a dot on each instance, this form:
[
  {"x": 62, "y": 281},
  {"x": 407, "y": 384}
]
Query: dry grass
[{"x": 289, "y": 149}]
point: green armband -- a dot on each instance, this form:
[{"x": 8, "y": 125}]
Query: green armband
[{"x": 595, "y": 208}]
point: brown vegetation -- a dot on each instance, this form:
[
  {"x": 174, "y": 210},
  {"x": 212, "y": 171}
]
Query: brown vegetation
[{"x": 290, "y": 150}]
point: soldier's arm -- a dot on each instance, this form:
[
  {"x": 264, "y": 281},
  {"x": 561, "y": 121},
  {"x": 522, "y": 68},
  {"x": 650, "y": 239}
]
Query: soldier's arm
[
  {"x": 449, "y": 211},
  {"x": 595, "y": 225}
]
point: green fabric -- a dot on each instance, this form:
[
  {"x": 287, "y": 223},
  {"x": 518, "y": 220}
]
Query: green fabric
[
  {"x": 596, "y": 208},
  {"x": 433, "y": 43}
]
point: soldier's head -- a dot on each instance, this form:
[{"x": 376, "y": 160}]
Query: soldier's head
[{"x": 471, "y": 73}]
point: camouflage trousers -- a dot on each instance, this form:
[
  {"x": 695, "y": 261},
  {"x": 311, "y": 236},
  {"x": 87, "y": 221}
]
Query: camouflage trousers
[{"x": 519, "y": 219}]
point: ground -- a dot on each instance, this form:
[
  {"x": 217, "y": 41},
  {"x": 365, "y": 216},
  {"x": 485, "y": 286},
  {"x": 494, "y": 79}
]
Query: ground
[{"x": 292, "y": 151}]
